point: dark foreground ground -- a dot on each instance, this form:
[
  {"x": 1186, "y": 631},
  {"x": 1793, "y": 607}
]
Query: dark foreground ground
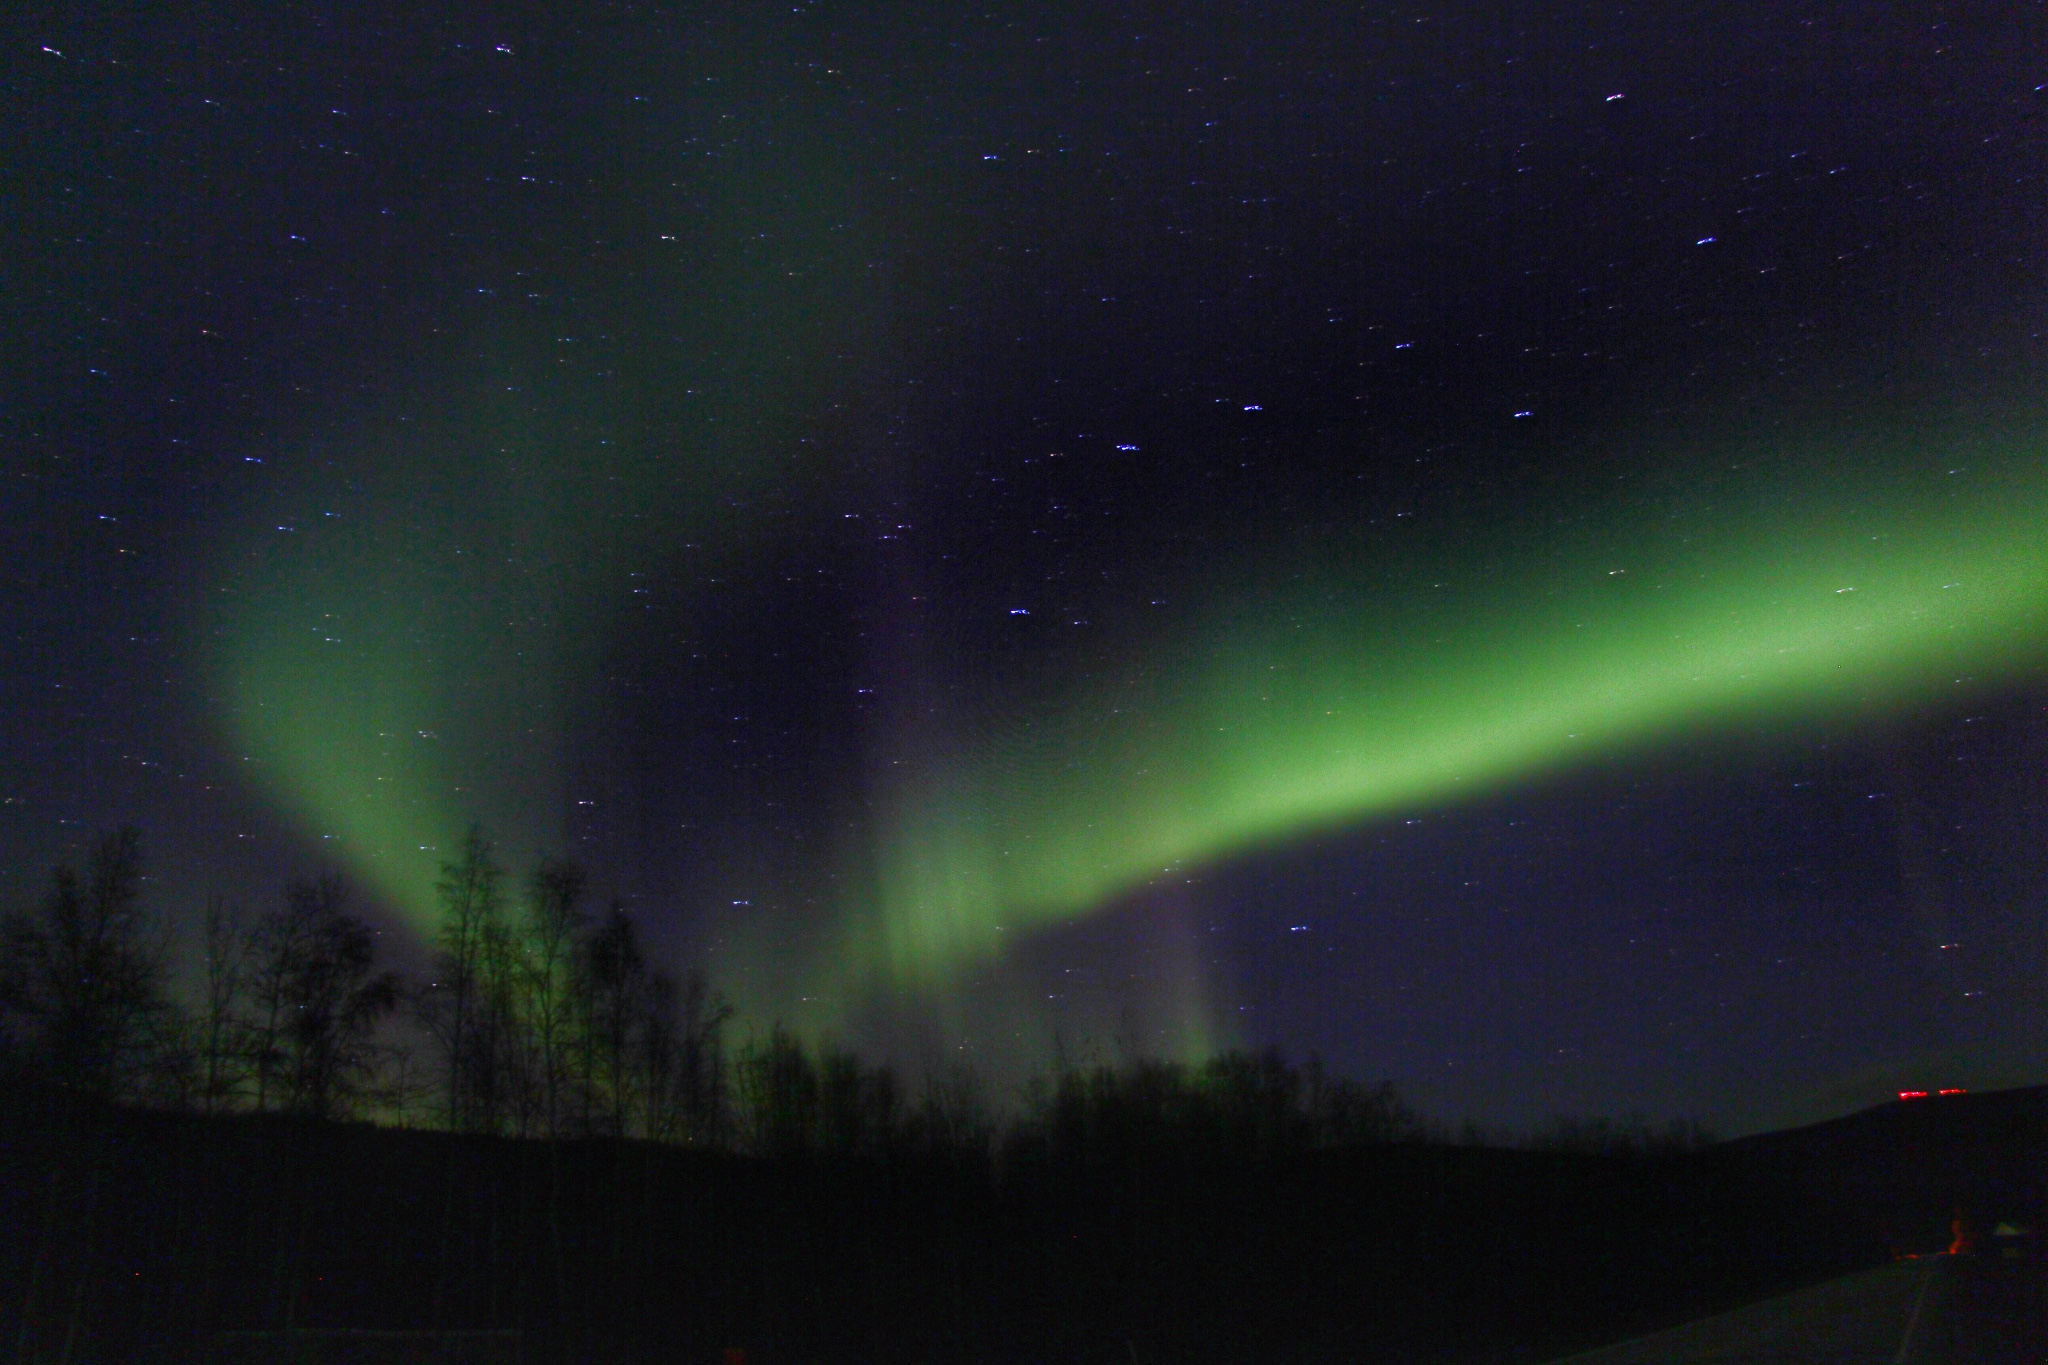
[
  {"x": 140, "y": 1236},
  {"x": 1932, "y": 1311}
]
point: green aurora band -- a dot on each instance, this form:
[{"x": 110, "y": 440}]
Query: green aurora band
[
  {"x": 1357, "y": 690},
  {"x": 1354, "y": 698}
]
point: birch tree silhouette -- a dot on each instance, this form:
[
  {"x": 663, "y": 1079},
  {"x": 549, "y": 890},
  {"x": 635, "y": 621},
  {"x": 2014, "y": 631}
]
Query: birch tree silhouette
[{"x": 82, "y": 980}]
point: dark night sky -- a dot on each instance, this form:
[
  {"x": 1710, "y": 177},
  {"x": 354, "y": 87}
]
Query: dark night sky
[{"x": 836, "y": 467}]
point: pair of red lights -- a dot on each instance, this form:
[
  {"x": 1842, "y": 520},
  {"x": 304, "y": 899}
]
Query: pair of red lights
[{"x": 1923, "y": 1094}]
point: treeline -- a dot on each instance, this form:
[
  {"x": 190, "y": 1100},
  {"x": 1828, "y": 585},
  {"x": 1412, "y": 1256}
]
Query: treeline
[
  {"x": 168, "y": 1172},
  {"x": 131, "y": 1234},
  {"x": 540, "y": 1018}
]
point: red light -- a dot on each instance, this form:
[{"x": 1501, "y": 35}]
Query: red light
[
  {"x": 1912, "y": 1094},
  {"x": 1958, "y": 1091}
]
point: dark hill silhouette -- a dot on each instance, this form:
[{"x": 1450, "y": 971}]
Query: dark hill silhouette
[
  {"x": 129, "y": 1234},
  {"x": 1906, "y": 1170}
]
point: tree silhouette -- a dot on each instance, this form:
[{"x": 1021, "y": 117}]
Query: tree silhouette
[
  {"x": 778, "y": 1088},
  {"x": 449, "y": 1006},
  {"x": 615, "y": 980},
  {"x": 660, "y": 1051},
  {"x": 860, "y": 1109},
  {"x": 682, "y": 1080},
  {"x": 555, "y": 924},
  {"x": 704, "y": 1083},
  {"x": 221, "y": 1032},
  {"x": 321, "y": 998},
  {"x": 82, "y": 981},
  {"x": 504, "y": 1090}
]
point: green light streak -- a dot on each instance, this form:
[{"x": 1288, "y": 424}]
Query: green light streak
[
  {"x": 392, "y": 682},
  {"x": 1327, "y": 706},
  {"x": 396, "y": 645},
  {"x": 371, "y": 676}
]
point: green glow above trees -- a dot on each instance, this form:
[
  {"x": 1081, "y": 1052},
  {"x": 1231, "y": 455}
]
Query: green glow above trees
[
  {"x": 1360, "y": 699},
  {"x": 357, "y": 681}
]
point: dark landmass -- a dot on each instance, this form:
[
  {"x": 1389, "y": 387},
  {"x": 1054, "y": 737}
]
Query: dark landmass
[
  {"x": 1908, "y": 1170},
  {"x": 614, "y": 1181},
  {"x": 128, "y": 1234}
]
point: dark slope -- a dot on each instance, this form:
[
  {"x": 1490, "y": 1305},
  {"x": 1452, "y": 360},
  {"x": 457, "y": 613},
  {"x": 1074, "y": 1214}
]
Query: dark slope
[
  {"x": 139, "y": 1235},
  {"x": 1908, "y": 1169}
]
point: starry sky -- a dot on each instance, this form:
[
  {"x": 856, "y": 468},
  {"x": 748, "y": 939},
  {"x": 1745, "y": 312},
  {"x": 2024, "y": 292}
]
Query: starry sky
[{"x": 1499, "y": 544}]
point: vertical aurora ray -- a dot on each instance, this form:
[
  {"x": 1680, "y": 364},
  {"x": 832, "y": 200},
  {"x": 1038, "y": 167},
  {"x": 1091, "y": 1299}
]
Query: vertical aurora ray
[
  {"x": 415, "y": 626},
  {"x": 376, "y": 661}
]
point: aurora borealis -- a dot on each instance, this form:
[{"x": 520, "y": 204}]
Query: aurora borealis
[
  {"x": 899, "y": 495},
  {"x": 1310, "y": 709},
  {"x": 1314, "y": 712}
]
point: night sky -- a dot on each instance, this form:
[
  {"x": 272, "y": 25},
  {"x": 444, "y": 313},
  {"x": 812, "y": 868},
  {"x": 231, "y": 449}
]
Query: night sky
[{"x": 1500, "y": 544}]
